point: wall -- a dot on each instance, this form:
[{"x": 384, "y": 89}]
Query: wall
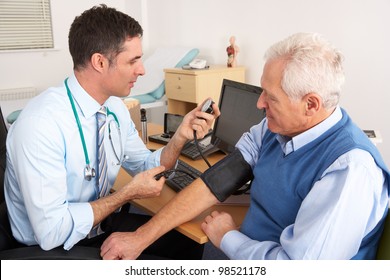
[
  {"x": 356, "y": 27},
  {"x": 41, "y": 69},
  {"x": 359, "y": 28}
]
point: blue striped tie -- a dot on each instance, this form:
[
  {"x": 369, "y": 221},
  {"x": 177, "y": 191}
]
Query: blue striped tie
[
  {"x": 101, "y": 154},
  {"x": 102, "y": 181}
]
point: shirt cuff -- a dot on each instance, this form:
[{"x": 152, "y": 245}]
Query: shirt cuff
[
  {"x": 82, "y": 216},
  {"x": 232, "y": 241},
  {"x": 154, "y": 159}
]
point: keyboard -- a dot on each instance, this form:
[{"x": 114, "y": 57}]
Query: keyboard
[
  {"x": 191, "y": 151},
  {"x": 183, "y": 179}
]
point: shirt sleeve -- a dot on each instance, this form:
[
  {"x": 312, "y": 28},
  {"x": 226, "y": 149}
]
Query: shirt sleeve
[
  {"x": 339, "y": 211},
  {"x": 42, "y": 179},
  {"x": 137, "y": 157},
  {"x": 250, "y": 143}
]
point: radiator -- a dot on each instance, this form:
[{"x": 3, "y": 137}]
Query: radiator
[{"x": 15, "y": 99}]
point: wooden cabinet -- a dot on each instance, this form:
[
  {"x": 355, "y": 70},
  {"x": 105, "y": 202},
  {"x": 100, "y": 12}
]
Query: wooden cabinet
[{"x": 185, "y": 89}]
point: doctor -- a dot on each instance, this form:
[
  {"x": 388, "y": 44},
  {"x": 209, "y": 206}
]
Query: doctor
[{"x": 54, "y": 166}]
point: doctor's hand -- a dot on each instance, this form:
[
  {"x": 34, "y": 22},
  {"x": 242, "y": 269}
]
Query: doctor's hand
[
  {"x": 198, "y": 121},
  {"x": 122, "y": 246},
  {"x": 216, "y": 225},
  {"x": 144, "y": 185}
]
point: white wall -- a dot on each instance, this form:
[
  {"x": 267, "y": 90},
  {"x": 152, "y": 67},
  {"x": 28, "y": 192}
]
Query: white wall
[
  {"x": 357, "y": 27},
  {"x": 41, "y": 69}
]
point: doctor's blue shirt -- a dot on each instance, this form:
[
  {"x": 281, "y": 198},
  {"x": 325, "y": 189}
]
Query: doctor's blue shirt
[{"x": 46, "y": 193}]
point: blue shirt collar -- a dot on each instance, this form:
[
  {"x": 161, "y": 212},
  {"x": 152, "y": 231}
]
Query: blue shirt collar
[
  {"x": 88, "y": 106},
  {"x": 292, "y": 144}
]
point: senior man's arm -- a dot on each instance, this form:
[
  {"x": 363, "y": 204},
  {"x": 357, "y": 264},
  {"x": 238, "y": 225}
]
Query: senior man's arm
[{"x": 185, "y": 206}]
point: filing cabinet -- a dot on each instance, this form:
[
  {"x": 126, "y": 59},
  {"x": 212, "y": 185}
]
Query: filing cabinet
[{"x": 185, "y": 89}]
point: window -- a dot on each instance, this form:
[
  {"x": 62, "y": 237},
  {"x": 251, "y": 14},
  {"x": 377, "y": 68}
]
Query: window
[{"x": 25, "y": 24}]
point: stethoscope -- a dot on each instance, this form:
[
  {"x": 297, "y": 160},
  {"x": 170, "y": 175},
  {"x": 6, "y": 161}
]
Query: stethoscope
[{"x": 89, "y": 172}]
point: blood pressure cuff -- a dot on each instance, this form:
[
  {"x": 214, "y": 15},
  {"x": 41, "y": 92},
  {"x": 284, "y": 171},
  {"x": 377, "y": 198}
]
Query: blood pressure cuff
[{"x": 227, "y": 175}]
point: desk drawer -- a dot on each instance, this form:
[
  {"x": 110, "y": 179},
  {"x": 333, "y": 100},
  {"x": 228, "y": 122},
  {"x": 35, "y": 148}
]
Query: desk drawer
[{"x": 180, "y": 87}]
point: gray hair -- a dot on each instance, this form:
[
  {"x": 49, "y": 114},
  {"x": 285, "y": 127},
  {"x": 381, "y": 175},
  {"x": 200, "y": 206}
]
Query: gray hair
[{"x": 313, "y": 65}]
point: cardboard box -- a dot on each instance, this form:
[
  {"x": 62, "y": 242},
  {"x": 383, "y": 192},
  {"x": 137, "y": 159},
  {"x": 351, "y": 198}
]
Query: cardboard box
[{"x": 134, "y": 108}]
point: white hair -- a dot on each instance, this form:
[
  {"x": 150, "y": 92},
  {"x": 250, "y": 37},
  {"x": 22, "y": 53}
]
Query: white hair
[{"x": 312, "y": 65}]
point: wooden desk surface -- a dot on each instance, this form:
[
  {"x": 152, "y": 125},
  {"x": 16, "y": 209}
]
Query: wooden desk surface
[{"x": 153, "y": 205}]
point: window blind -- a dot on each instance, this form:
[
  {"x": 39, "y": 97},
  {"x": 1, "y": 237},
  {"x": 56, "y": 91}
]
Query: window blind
[{"x": 25, "y": 24}]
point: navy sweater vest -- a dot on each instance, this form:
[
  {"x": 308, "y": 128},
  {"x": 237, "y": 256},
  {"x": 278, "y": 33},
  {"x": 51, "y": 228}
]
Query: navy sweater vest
[{"x": 282, "y": 182}]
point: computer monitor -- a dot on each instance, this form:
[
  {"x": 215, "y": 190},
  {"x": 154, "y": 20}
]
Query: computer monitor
[{"x": 239, "y": 113}]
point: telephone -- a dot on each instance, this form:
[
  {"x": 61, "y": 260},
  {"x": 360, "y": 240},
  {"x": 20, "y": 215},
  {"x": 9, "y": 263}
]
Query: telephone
[{"x": 198, "y": 63}]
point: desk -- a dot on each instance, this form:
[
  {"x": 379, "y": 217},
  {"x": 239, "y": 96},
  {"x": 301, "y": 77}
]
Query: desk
[{"x": 153, "y": 205}]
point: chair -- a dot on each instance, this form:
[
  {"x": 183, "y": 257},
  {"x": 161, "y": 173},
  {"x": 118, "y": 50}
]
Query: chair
[
  {"x": 384, "y": 243},
  {"x": 10, "y": 249}
]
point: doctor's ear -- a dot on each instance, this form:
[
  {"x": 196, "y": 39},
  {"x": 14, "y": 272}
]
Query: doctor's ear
[{"x": 98, "y": 61}]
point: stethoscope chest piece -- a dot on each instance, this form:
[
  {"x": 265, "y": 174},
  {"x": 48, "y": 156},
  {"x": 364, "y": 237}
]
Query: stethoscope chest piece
[{"x": 89, "y": 173}]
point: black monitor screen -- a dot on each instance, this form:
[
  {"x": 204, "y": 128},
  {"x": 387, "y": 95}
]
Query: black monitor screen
[
  {"x": 172, "y": 123},
  {"x": 238, "y": 113}
]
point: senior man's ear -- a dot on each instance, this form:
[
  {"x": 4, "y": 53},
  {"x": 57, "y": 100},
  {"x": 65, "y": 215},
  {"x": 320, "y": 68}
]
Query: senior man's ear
[{"x": 313, "y": 103}]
